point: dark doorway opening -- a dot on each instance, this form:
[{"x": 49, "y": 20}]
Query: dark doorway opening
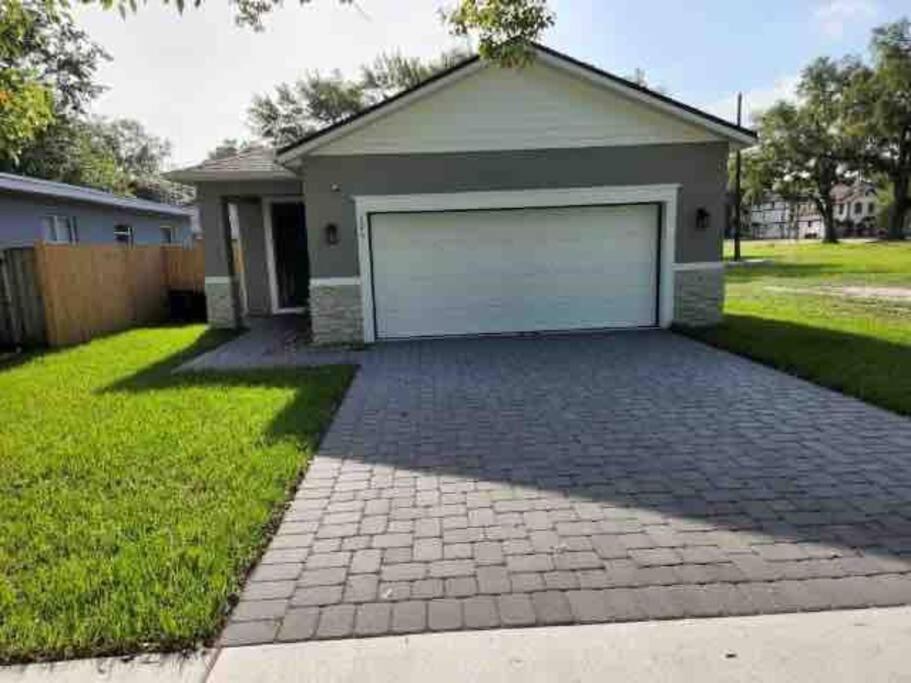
[{"x": 292, "y": 261}]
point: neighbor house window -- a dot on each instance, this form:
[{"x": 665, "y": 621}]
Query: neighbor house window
[
  {"x": 123, "y": 234},
  {"x": 841, "y": 209},
  {"x": 60, "y": 229},
  {"x": 168, "y": 234},
  {"x": 858, "y": 207},
  {"x": 871, "y": 207}
]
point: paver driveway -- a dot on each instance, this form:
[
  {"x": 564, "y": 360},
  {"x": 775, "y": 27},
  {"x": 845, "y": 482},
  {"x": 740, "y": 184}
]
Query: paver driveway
[{"x": 505, "y": 482}]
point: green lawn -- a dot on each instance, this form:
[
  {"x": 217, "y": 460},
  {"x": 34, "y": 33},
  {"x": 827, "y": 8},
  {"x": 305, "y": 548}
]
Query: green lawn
[
  {"x": 132, "y": 500},
  {"x": 794, "y": 314}
]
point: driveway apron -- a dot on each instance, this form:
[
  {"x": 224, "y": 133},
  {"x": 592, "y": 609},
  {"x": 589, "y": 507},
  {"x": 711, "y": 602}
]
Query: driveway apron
[{"x": 502, "y": 482}]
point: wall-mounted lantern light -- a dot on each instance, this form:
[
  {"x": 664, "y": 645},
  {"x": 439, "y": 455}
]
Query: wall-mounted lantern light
[
  {"x": 703, "y": 218},
  {"x": 331, "y": 233}
]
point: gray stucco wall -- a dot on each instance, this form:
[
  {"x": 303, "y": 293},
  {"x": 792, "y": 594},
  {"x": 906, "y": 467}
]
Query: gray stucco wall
[
  {"x": 211, "y": 196},
  {"x": 700, "y": 169},
  {"x": 21, "y": 221},
  {"x": 253, "y": 243}
]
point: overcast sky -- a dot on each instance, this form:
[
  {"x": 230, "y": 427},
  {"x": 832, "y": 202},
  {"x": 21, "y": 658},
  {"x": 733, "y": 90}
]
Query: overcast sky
[{"x": 190, "y": 78}]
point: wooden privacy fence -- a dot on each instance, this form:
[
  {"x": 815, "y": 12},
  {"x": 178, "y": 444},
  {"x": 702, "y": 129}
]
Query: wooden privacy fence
[{"x": 82, "y": 291}]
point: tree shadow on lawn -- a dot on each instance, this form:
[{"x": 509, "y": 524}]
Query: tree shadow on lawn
[
  {"x": 318, "y": 390},
  {"x": 871, "y": 369}
]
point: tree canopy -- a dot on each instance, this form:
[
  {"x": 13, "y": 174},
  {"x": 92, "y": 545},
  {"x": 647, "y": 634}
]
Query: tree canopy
[
  {"x": 851, "y": 120},
  {"x": 314, "y": 101},
  {"x": 805, "y": 148},
  {"x": 502, "y": 27},
  {"x": 878, "y": 116},
  {"x": 47, "y": 69}
]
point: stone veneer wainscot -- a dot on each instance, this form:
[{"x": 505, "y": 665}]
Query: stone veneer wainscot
[
  {"x": 699, "y": 295},
  {"x": 335, "y": 311}
]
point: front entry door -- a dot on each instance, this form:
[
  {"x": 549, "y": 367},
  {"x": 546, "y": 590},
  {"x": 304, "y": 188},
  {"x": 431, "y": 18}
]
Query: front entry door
[{"x": 292, "y": 262}]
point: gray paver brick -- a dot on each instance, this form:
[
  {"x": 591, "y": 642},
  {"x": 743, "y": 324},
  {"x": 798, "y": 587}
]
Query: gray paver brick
[
  {"x": 444, "y": 615},
  {"x": 515, "y": 609},
  {"x": 317, "y": 595},
  {"x": 322, "y": 577},
  {"x": 551, "y": 607},
  {"x": 365, "y": 561},
  {"x": 299, "y": 624},
  {"x": 409, "y": 617},
  {"x": 361, "y": 588},
  {"x": 428, "y": 549},
  {"x": 336, "y": 621},
  {"x": 480, "y": 611},
  {"x": 249, "y": 632},
  {"x": 446, "y": 568},
  {"x": 256, "y": 610},
  {"x": 373, "y": 618}
]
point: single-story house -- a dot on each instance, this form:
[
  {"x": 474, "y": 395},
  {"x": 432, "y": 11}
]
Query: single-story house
[
  {"x": 32, "y": 210},
  {"x": 483, "y": 201}
]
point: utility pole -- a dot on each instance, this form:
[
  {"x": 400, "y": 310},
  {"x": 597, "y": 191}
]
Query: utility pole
[{"x": 737, "y": 188}]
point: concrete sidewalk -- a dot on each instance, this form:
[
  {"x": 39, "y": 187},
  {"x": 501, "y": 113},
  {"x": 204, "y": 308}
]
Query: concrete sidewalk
[
  {"x": 869, "y": 645},
  {"x": 861, "y": 645}
]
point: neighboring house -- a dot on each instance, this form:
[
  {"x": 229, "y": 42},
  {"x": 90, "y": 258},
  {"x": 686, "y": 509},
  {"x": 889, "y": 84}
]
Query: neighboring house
[
  {"x": 771, "y": 219},
  {"x": 485, "y": 200},
  {"x": 855, "y": 213},
  {"x": 32, "y": 210}
]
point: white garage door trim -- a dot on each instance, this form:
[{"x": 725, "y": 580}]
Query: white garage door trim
[{"x": 665, "y": 195}]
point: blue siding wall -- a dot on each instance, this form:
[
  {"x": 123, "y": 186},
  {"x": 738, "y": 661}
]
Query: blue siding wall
[{"x": 21, "y": 221}]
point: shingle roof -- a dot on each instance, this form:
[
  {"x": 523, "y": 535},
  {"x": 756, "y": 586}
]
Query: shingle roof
[
  {"x": 49, "y": 188},
  {"x": 254, "y": 164}
]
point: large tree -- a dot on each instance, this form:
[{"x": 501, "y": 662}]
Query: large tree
[
  {"x": 392, "y": 72},
  {"x": 47, "y": 69},
  {"x": 805, "y": 144},
  {"x": 230, "y": 147},
  {"x": 878, "y": 113},
  {"x": 314, "y": 101},
  {"x": 116, "y": 155},
  {"x": 302, "y": 107}
]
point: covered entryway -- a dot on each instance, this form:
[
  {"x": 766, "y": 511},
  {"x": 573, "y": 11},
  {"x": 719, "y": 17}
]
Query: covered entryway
[{"x": 439, "y": 273}]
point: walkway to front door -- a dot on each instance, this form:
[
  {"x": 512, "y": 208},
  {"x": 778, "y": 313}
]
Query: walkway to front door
[{"x": 503, "y": 482}]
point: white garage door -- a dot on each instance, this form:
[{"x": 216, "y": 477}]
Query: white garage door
[{"x": 514, "y": 270}]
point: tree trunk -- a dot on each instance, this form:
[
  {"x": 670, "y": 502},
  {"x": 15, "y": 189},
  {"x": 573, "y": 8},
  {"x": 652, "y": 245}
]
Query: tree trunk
[
  {"x": 830, "y": 235},
  {"x": 899, "y": 208}
]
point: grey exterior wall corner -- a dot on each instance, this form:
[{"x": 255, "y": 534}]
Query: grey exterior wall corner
[
  {"x": 699, "y": 297},
  {"x": 336, "y": 316}
]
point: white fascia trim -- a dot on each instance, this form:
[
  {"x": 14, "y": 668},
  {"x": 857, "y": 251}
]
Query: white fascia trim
[
  {"x": 335, "y": 282},
  {"x": 219, "y": 279},
  {"x": 516, "y": 199},
  {"x": 666, "y": 107},
  {"x": 701, "y": 265},
  {"x": 665, "y": 195},
  {"x": 380, "y": 112}
]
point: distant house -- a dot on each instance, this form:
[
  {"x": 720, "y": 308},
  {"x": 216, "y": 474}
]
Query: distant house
[
  {"x": 32, "y": 210},
  {"x": 855, "y": 215},
  {"x": 771, "y": 219}
]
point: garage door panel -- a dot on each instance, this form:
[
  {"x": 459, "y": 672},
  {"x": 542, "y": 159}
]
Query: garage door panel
[{"x": 472, "y": 272}]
